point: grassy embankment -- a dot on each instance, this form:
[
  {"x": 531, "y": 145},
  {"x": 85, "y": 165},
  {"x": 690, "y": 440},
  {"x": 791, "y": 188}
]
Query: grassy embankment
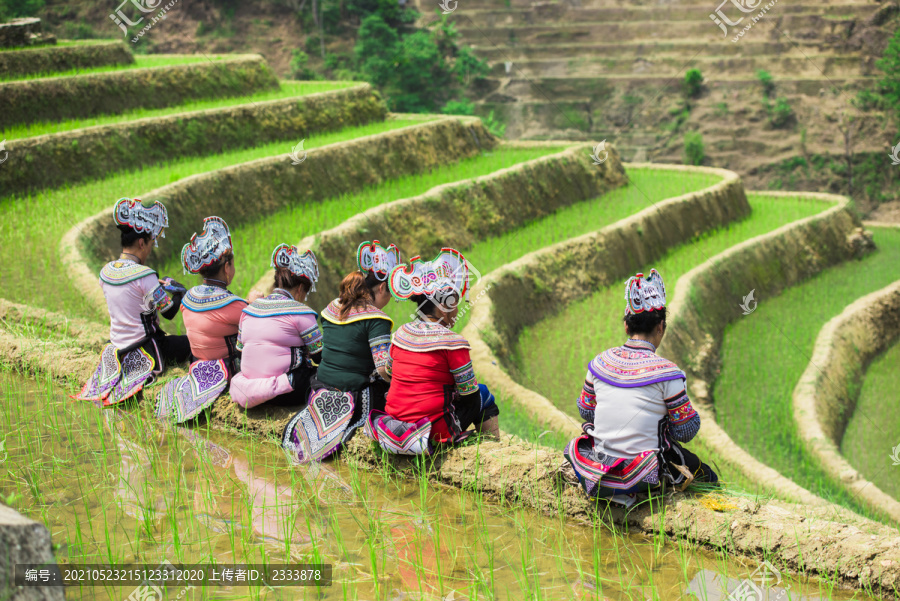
[
  {"x": 32, "y": 225},
  {"x": 141, "y": 61},
  {"x": 764, "y": 356},
  {"x": 552, "y": 355},
  {"x": 869, "y": 448},
  {"x": 288, "y": 89}
]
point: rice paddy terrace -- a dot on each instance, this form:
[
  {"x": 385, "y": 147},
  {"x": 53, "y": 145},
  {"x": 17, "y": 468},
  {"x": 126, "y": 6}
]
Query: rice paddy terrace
[
  {"x": 600, "y": 69},
  {"x": 551, "y": 235}
]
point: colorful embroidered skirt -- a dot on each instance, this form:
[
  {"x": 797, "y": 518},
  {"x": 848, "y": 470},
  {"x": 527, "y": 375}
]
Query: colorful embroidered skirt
[
  {"x": 604, "y": 476},
  {"x": 316, "y": 431},
  {"x": 400, "y": 438},
  {"x": 118, "y": 378},
  {"x": 184, "y": 398}
]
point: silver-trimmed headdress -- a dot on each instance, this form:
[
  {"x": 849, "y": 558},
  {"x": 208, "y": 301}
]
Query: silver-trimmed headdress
[
  {"x": 445, "y": 276},
  {"x": 207, "y": 248},
  {"x": 644, "y": 293},
  {"x": 372, "y": 257},
  {"x": 143, "y": 216},
  {"x": 300, "y": 264}
]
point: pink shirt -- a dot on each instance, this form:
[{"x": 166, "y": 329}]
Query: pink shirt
[
  {"x": 269, "y": 327},
  {"x": 133, "y": 297},
  {"x": 211, "y": 314}
]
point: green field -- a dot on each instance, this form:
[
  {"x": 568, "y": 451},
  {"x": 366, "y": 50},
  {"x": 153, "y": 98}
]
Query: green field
[
  {"x": 873, "y": 431},
  {"x": 764, "y": 355},
  {"x": 288, "y": 89},
  {"x": 32, "y": 225},
  {"x": 140, "y": 61},
  {"x": 645, "y": 188}
]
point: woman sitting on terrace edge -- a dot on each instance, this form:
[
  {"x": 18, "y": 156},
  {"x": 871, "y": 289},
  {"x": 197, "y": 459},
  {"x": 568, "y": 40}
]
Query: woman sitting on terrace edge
[
  {"x": 138, "y": 348},
  {"x": 351, "y": 379},
  {"x": 211, "y": 317},
  {"x": 637, "y": 409},
  {"x": 434, "y": 395},
  {"x": 279, "y": 337}
]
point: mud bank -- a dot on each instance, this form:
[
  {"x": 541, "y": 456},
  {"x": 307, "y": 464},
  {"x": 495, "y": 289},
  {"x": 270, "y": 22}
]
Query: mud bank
[
  {"x": 814, "y": 541},
  {"x": 242, "y": 193},
  {"x": 823, "y": 401},
  {"x": 548, "y": 279},
  {"x": 459, "y": 214}
]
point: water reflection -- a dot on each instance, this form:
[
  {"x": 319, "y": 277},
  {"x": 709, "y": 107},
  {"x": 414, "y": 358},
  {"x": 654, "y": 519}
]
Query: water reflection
[{"x": 114, "y": 486}]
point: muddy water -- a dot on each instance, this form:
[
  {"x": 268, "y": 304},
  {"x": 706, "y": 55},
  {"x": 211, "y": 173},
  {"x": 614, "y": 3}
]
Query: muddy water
[{"x": 114, "y": 488}]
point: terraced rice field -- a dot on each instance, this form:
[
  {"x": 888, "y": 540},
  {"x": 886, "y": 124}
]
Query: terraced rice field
[
  {"x": 209, "y": 492},
  {"x": 764, "y": 355},
  {"x": 288, "y": 89},
  {"x": 32, "y": 225},
  {"x": 646, "y": 187},
  {"x": 872, "y": 437},
  {"x": 141, "y": 61}
]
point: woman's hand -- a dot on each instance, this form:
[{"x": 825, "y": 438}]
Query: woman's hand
[{"x": 254, "y": 294}]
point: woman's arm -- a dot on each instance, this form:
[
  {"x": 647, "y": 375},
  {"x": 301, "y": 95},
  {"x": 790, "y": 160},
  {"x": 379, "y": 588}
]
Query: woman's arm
[
  {"x": 380, "y": 345},
  {"x": 311, "y": 335},
  {"x": 684, "y": 421},
  {"x": 587, "y": 402}
]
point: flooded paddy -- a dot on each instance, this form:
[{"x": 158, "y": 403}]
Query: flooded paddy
[{"x": 113, "y": 487}]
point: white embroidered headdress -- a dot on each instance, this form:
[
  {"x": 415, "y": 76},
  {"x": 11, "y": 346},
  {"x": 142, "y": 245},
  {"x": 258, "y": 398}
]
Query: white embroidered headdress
[
  {"x": 207, "y": 248},
  {"x": 374, "y": 258},
  {"x": 443, "y": 280},
  {"x": 143, "y": 216},
  {"x": 644, "y": 293},
  {"x": 300, "y": 264}
]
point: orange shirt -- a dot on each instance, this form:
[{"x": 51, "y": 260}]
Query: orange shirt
[{"x": 211, "y": 314}]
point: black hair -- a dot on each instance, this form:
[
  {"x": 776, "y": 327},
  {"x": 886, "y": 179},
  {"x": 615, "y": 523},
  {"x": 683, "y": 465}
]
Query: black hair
[
  {"x": 130, "y": 237},
  {"x": 211, "y": 271},
  {"x": 424, "y": 304},
  {"x": 287, "y": 280},
  {"x": 645, "y": 322}
]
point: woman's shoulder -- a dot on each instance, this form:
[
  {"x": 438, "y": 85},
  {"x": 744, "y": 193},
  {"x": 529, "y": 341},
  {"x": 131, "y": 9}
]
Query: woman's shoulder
[
  {"x": 209, "y": 298},
  {"x": 275, "y": 305},
  {"x": 118, "y": 273},
  {"x": 422, "y": 337},
  {"x": 332, "y": 314},
  {"x": 629, "y": 366}
]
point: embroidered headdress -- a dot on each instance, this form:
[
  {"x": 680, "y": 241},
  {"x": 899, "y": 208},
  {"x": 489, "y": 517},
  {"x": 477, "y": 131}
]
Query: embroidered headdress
[
  {"x": 303, "y": 265},
  {"x": 204, "y": 250},
  {"x": 440, "y": 280},
  {"x": 372, "y": 257},
  {"x": 645, "y": 293},
  {"x": 143, "y": 216}
]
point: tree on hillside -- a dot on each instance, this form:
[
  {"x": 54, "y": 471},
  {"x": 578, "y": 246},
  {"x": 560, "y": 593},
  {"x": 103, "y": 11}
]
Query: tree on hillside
[
  {"x": 889, "y": 85},
  {"x": 417, "y": 72}
]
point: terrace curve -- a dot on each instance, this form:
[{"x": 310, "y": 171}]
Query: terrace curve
[
  {"x": 820, "y": 240},
  {"x": 822, "y": 400}
]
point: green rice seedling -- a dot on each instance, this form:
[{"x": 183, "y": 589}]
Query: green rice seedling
[
  {"x": 869, "y": 449},
  {"x": 288, "y": 89},
  {"x": 32, "y": 225}
]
